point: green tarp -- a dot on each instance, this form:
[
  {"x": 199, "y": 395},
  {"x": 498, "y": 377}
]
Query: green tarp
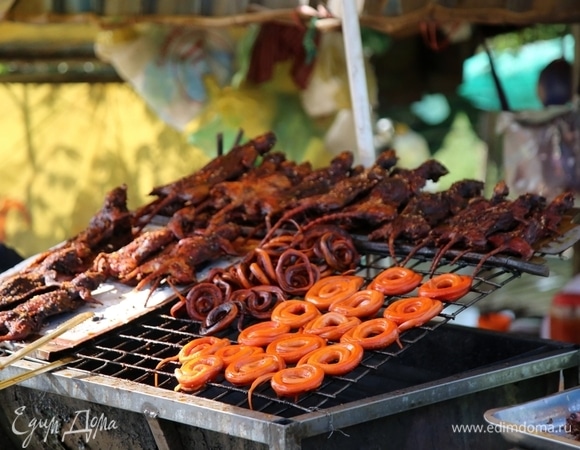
[{"x": 517, "y": 70}]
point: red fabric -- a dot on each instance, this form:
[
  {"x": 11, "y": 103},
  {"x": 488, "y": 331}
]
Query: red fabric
[
  {"x": 566, "y": 299},
  {"x": 277, "y": 43}
]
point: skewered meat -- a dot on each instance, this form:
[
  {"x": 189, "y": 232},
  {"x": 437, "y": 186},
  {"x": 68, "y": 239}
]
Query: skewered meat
[
  {"x": 373, "y": 209},
  {"x": 223, "y": 167},
  {"x": 429, "y": 170},
  {"x": 552, "y": 216},
  {"x": 472, "y": 231},
  {"x": 120, "y": 263},
  {"x": 179, "y": 263},
  {"x": 320, "y": 181},
  {"x": 342, "y": 194},
  {"x": 19, "y": 287},
  {"x": 186, "y": 220},
  {"x": 252, "y": 199},
  {"x": 530, "y": 230},
  {"x": 110, "y": 227},
  {"x": 424, "y": 211},
  {"x": 387, "y": 200},
  {"x": 193, "y": 189},
  {"x": 28, "y": 317},
  {"x": 453, "y": 207}
]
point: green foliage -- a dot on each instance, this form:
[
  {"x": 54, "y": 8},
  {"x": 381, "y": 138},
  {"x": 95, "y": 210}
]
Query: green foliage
[
  {"x": 540, "y": 32},
  {"x": 375, "y": 42}
]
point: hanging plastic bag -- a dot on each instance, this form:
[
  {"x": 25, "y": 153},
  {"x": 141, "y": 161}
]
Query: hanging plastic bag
[
  {"x": 328, "y": 88},
  {"x": 169, "y": 66},
  {"x": 541, "y": 151}
]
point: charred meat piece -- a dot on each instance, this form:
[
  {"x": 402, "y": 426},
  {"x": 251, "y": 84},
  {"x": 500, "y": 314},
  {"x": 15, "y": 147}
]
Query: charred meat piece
[
  {"x": 195, "y": 188},
  {"x": 179, "y": 262},
  {"x": 19, "y": 287},
  {"x": 28, "y": 317},
  {"x": 111, "y": 227},
  {"x": 121, "y": 262},
  {"x": 344, "y": 192},
  {"x": 471, "y": 229}
]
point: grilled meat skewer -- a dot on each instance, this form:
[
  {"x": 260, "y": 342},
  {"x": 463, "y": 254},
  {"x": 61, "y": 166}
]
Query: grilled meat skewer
[{"x": 28, "y": 317}]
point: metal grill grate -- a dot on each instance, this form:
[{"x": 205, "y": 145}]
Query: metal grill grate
[{"x": 133, "y": 353}]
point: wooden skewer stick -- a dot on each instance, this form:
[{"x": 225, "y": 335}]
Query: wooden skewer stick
[
  {"x": 32, "y": 373},
  {"x": 71, "y": 323}
]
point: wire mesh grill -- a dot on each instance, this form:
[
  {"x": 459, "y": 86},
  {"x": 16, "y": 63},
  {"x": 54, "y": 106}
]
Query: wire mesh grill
[{"x": 135, "y": 351}]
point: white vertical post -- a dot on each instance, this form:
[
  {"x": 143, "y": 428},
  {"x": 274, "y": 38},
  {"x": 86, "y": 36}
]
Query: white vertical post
[{"x": 358, "y": 83}]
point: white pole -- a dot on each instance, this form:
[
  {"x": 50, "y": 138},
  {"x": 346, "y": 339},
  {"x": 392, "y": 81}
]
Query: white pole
[{"x": 358, "y": 83}]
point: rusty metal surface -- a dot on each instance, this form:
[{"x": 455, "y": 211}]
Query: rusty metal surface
[{"x": 539, "y": 424}]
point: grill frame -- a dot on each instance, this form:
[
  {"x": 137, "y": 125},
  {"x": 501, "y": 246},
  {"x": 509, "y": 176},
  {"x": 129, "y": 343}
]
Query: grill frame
[
  {"x": 288, "y": 430},
  {"x": 276, "y": 432},
  {"x": 175, "y": 332}
]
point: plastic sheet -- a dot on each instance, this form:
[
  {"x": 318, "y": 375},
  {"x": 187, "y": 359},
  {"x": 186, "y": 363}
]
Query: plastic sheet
[
  {"x": 168, "y": 66},
  {"x": 541, "y": 150}
]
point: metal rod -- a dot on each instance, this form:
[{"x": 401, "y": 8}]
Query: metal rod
[
  {"x": 358, "y": 83},
  {"x": 35, "y": 372}
]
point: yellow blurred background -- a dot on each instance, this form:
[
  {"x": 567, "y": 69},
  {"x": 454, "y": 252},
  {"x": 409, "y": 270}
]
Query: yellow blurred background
[{"x": 65, "y": 146}]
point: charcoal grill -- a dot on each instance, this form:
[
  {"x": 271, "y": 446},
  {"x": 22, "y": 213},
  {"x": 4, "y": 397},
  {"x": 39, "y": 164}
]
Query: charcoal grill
[{"x": 439, "y": 365}]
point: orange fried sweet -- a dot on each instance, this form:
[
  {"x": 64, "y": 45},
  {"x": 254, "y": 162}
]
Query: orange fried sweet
[
  {"x": 293, "y": 346},
  {"x": 294, "y": 381},
  {"x": 290, "y": 381},
  {"x": 262, "y": 333},
  {"x": 361, "y": 304},
  {"x": 294, "y": 313},
  {"x": 396, "y": 281},
  {"x": 235, "y": 351},
  {"x": 335, "y": 359},
  {"x": 446, "y": 286},
  {"x": 373, "y": 334},
  {"x": 243, "y": 371},
  {"x": 413, "y": 312},
  {"x": 331, "y": 325},
  {"x": 333, "y": 288},
  {"x": 204, "y": 345},
  {"x": 196, "y": 372}
]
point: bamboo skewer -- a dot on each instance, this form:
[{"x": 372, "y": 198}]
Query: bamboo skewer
[
  {"x": 32, "y": 373},
  {"x": 71, "y": 323}
]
